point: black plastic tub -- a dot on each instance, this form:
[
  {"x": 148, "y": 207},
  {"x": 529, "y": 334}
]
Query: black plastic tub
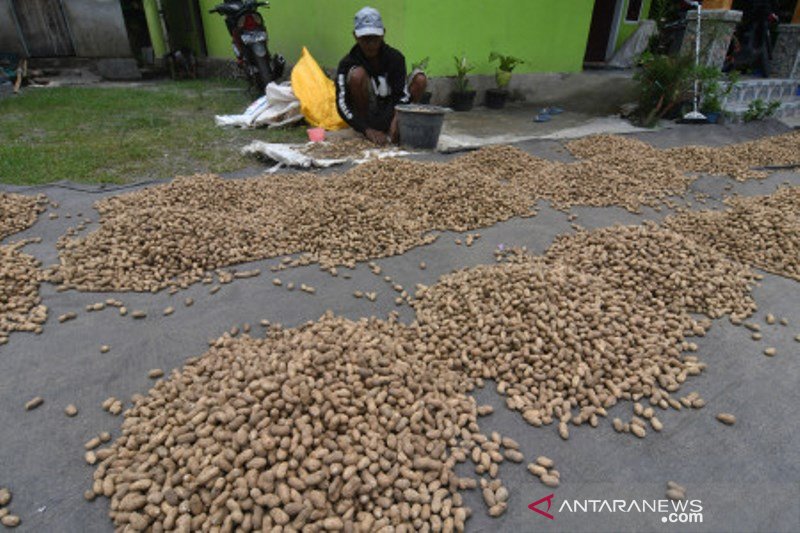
[{"x": 420, "y": 125}]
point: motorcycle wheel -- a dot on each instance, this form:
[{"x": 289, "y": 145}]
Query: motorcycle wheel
[{"x": 263, "y": 72}]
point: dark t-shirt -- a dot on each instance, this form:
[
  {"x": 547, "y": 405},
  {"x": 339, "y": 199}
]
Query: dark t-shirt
[{"x": 388, "y": 83}]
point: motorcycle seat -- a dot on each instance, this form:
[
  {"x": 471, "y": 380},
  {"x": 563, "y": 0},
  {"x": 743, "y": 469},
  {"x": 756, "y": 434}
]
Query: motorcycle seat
[{"x": 229, "y": 8}]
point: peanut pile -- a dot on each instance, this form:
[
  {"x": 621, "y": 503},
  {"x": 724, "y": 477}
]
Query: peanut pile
[
  {"x": 344, "y": 149},
  {"x": 174, "y": 234},
  {"x": 738, "y": 160},
  {"x": 614, "y": 319},
  {"x": 618, "y": 170},
  {"x": 687, "y": 278},
  {"x": 20, "y": 303},
  {"x": 20, "y": 308},
  {"x": 734, "y": 160},
  {"x": 625, "y": 172},
  {"x": 18, "y": 212},
  {"x": 763, "y": 231},
  {"x": 329, "y": 425},
  {"x": 358, "y": 425}
]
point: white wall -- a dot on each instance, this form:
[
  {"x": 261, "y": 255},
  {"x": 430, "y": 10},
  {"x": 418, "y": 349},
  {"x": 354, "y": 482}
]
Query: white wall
[
  {"x": 9, "y": 36},
  {"x": 98, "y": 28}
]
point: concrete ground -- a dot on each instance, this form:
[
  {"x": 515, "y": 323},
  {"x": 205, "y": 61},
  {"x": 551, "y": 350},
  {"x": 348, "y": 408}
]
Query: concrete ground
[
  {"x": 746, "y": 477},
  {"x": 515, "y": 123}
]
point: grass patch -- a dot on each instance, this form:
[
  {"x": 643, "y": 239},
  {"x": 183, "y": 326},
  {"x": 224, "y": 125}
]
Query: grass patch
[{"x": 120, "y": 135}]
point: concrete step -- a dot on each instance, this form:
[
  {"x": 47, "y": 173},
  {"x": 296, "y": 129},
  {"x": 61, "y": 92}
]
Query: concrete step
[
  {"x": 736, "y": 112},
  {"x": 61, "y": 63},
  {"x": 768, "y": 90}
]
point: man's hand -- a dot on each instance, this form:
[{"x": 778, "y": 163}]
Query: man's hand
[{"x": 376, "y": 136}]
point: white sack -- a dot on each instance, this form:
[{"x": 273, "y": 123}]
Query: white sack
[{"x": 278, "y": 106}]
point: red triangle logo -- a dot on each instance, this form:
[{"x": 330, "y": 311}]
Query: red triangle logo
[{"x": 549, "y": 500}]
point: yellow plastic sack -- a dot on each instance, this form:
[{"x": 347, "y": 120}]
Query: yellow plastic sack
[{"x": 316, "y": 93}]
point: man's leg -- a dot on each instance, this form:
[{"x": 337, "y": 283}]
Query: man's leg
[
  {"x": 361, "y": 98},
  {"x": 358, "y": 90},
  {"x": 417, "y": 86}
]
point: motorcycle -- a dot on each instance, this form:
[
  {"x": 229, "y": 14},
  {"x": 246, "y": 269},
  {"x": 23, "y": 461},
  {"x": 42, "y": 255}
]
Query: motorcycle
[{"x": 251, "y": 41}]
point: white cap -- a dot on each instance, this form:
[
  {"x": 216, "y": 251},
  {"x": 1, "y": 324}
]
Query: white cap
[{"x": 368, "y": 21}]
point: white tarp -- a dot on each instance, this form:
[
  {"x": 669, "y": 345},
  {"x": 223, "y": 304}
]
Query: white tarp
[
  {"x": 291, "y": 156},
  {"x": 279, "y": 106}
]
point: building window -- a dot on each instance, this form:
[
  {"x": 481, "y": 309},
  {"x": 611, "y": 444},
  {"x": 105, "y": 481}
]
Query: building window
[{"x": 634, "y": 11}]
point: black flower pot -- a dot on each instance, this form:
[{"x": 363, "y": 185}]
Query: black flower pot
[
  {"x": 496, "y": 98},
  {"x": 463, "y": 100}
]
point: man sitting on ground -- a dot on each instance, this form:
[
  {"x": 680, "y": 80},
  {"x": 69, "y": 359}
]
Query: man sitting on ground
[{"x": 371, "y": 81}]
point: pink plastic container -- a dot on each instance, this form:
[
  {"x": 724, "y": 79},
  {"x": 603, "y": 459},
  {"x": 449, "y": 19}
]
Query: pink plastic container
[{"x": 316, "y": 135}]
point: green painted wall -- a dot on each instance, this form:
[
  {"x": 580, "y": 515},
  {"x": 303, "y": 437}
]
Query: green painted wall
[
  {"x": 626, "y": 29},
  {"x": 325, "y": 27},
  {"x": 550, "y": 36}
]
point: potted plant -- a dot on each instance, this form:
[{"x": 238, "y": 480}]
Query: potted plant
[
  {"x": 463, "y": 95},
  {"x": 714, "y": 91},
  {"x": 496, "y": 98},
  {"x": 712, "y": 104}
]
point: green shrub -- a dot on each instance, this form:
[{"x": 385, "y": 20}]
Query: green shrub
[
  {"x": 759, "y": 109},
  {"x": 665, "y": 82}
]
